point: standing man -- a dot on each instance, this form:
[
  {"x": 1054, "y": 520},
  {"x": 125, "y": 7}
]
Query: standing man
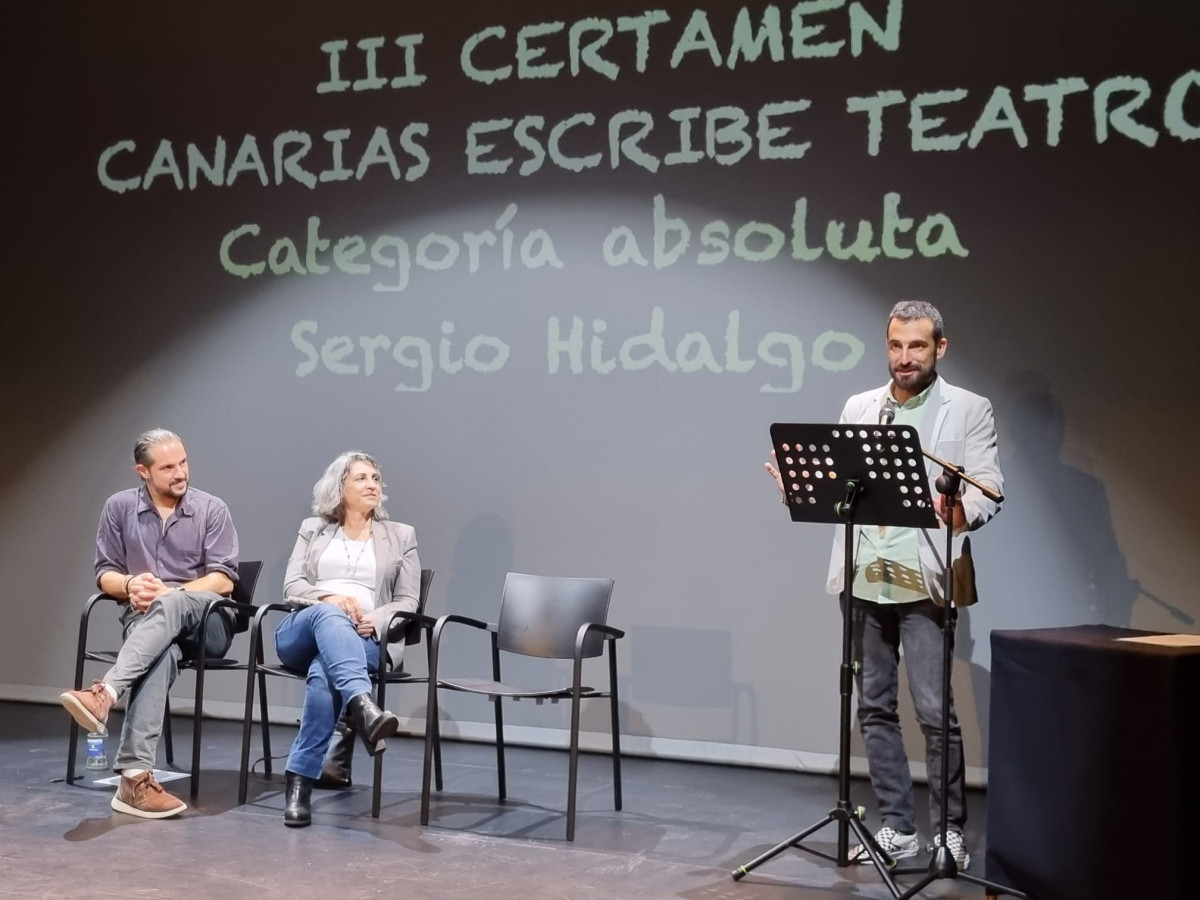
[
  {"x": 897, "y": 580},
  {"x": 168, "y": 552}
]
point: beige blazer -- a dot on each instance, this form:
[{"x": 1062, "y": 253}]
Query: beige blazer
[
  {"x": 959, "y": 427},
  {"x": 397, "y": 579}
]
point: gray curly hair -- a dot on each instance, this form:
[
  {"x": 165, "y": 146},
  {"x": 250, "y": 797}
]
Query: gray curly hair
[
  {"x": 911, "y": 310},
  {"x": 327, "y": 492}
]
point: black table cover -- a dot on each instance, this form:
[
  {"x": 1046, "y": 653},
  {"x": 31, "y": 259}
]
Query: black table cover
[{"x": 1094, "y": 750}]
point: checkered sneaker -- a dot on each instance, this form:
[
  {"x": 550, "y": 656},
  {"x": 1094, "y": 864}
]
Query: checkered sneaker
[
  {"x": 957, "y": 847},
  {"x": 891, "y": 842}
]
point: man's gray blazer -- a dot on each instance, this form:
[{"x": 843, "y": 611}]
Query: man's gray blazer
[{"x": 959, "y": 427}]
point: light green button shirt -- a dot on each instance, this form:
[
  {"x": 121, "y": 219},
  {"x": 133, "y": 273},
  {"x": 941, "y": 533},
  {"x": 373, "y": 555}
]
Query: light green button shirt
[{"x": 887, "y": 567}]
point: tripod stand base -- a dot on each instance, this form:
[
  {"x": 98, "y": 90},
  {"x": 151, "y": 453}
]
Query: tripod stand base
[
  {"x": 942, "y": 865},
  {"x": 847, "y": 820}
]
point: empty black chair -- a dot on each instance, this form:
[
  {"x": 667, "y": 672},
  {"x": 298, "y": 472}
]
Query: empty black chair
[
  {"x": 549, "y": 617},
  {"x": 402, "y": 626},
  {"x": 241, "y": 601}
]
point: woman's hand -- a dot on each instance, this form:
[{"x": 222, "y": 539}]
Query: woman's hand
[
  {"x": 365, "y": 627},
  {"x": 348, "y": 605}
]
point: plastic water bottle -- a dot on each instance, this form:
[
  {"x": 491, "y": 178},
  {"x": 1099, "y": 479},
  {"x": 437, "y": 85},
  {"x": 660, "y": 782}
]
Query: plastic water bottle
[{"x": 97, "y": 758}]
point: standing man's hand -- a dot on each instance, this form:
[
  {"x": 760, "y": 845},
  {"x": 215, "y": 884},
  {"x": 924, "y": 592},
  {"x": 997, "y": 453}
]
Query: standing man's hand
[
  {"x": 774, "y": 473},
  {"x": 960, "y": 517}
]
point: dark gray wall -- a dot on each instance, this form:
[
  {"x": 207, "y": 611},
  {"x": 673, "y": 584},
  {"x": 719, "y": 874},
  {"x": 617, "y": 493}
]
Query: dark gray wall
[{"x": 1073, "y": 309}]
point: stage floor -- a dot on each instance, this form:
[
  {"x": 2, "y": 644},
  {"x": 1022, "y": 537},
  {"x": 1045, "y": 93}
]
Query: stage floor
[{"x": 684, "y": 827}]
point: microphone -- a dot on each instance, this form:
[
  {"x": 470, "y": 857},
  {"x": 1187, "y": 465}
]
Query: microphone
[{"x": 887, "y": 412}]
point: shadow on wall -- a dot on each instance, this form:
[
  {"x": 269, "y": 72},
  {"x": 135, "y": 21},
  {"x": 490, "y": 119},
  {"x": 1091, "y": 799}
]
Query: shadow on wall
[
  {"x": 1063, "y": 565},
  {"x": 594, "y": 715},
  {"x": 979, "y": 688},
  {"x": 1051, "y": 559},
  {"x": 483, "y": 555},
  {"x": 691, "y": 671}
]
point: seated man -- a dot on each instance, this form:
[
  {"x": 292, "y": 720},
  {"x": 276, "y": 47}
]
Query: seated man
[{"x": 169, "y": 551}]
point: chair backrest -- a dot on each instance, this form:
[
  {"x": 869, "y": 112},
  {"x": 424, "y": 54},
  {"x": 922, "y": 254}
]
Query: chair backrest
[
  {"x": 412, "y": 634},
  {"x": 540, "y": 615},
  {"x": 243, "y": 591}
]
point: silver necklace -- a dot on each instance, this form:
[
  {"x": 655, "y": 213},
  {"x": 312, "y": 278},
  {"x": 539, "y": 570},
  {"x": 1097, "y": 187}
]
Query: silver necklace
[{"x": 352, "y": 567}]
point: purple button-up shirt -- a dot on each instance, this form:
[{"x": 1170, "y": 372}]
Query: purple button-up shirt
[{"x": 196, "y": 539}]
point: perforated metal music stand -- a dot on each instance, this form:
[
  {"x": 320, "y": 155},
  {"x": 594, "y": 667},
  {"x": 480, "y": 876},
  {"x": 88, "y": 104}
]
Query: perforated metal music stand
[{"x": 850, "y": 475}]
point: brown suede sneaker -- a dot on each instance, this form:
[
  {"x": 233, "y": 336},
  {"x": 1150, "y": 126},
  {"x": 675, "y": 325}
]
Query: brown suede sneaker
[
  {"x": 89, "y": 708},
  {"x": 141, "y": 795}
]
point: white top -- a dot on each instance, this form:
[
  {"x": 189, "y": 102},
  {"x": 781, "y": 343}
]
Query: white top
[{"x": 348, "y": 567}]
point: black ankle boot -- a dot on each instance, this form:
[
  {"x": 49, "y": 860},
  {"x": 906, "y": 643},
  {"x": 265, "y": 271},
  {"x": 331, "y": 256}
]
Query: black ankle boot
[
  {"x": 371, "y": 723},
  {"x": 297, "y": 811},
  {"x": 335, "y": 774}
]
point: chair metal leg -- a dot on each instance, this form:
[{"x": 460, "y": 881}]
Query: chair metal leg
[
  {"x": 376, "y": 787},
  {"x": 437, "y": 754},
  {"x": 265, "y": 723},
  {"x": 81, "y": 651},
  {"x": 616, "y": 723},
  {"x": 198, "y": 705},
  {"x": 573, "y": 766},
  {"x": 253, "y": 661},
  {"x": 431, "y": 729},
  {"x": 437, "y": 737},
  {"x": 381, "y": 702},
  {"x": 501, "y": 780},
  {"x": 71, "y": 751},
  {"x": 198, "y": 719},
  {"x": 247, "y": 724},
  {"x": 168, "y": 738},
  {"x": 501, "y": 775}
]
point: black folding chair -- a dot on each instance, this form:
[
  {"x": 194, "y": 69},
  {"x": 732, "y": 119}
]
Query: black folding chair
[
  {"x": 241, "y": 601},
  {"x": 417, "y": 623},
  {"x": 553, "y": 618}
]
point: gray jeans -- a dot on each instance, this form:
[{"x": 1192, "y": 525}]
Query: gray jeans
[
  {"x": 880, "y": 630},
  {"x": 155, "y": 642}
]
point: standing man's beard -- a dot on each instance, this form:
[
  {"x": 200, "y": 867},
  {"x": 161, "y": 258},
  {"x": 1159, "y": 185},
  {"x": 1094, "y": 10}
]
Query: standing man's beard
[{"x": 915, "y": 380}]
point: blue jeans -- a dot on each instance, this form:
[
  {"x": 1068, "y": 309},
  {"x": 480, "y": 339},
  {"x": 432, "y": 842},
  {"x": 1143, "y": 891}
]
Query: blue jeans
[
  {"x": 321, "y": 641},
  {"x": 880, "y": 630}
]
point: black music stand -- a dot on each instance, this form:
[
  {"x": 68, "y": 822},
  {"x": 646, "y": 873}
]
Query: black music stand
[{"x": 850, "y": 475}]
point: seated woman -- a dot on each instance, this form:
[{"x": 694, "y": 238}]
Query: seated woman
[{"x": 350, "y": 571}]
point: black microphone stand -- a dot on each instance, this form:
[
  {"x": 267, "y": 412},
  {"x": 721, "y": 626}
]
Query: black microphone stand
[{"x": 942, "y": 864}]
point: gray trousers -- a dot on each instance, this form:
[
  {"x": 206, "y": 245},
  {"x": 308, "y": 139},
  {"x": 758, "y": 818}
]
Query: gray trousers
[
  {"x": 880, "y": 630},
  {"x": 155, "y": 642}
]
